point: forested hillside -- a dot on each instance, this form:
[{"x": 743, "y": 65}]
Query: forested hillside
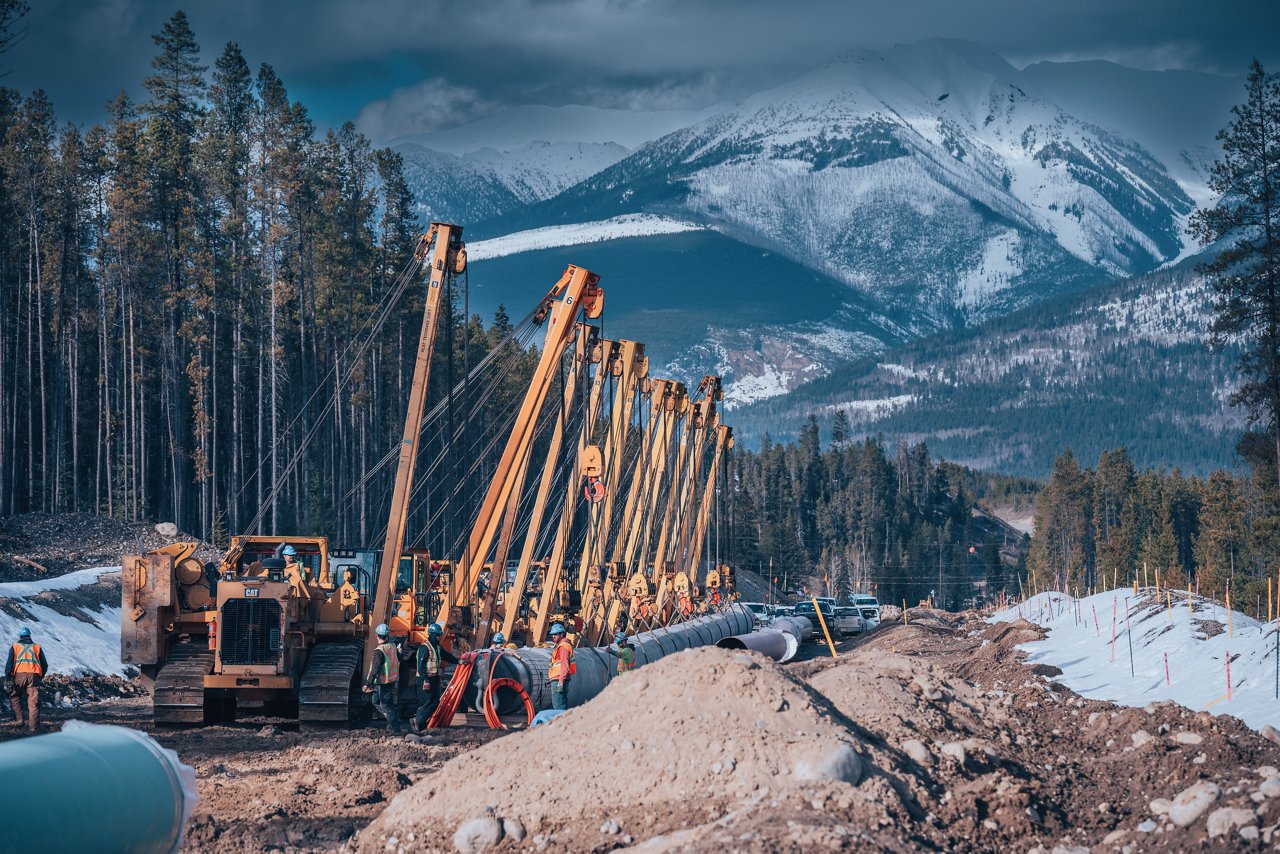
[
  {"x": 199, "y": 302},
  {"x": 1115, "y": 523},
  {"x": 1127, "y": 364},
  {"x": 860, "y": 516}
]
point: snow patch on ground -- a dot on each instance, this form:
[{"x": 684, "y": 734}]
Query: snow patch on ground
[
  {"x": 1196, "y": 643},
  {"x": 751, "y": 388},
  {"x": 873, "y": 408},
  {"x": 551, "y": 237},
  {"x": 74, "y": 645},
  {"x": 1001, "y": 263}
]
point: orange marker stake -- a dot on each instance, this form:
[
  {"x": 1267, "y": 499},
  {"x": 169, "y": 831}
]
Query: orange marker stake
[{"x": 1228, "y": 676}]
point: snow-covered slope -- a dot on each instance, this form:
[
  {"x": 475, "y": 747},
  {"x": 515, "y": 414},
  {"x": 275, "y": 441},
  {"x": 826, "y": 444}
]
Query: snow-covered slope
[
  {"x": 74, "y": 617},
  {"x": 630, "y": 225},
  {"x": 1172, "y": 114},
  {"x": 1192, "y": 642},
  {"x": 1123, "y": 364}
]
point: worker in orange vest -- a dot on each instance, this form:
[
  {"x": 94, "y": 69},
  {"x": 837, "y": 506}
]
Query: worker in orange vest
[
  {"x": 563, "y": 666},
  {"x": 23, "y": 673},
  {"x": 383, "y": 681},
  {"x": 685, "y": 604}
]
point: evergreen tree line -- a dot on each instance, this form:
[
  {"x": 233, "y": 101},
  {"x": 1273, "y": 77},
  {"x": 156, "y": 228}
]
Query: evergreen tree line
[
  {"x": 184, "y": 290},
  {"x": 1115, "y": 525},
  {"x": 858, "y": 516}
]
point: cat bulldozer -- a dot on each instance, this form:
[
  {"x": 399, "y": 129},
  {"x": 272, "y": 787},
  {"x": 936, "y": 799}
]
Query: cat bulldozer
[{"x": 264, "y": 629}]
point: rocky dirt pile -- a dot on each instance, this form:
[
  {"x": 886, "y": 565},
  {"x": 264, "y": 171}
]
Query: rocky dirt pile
[
  {"x": 267, "y": 789},
  {"x": 1004, "y": 757},
  {"x": 681, "y": 743},
  {"x": 68, "y": 692},
  {"x": 38, "y": 545}
]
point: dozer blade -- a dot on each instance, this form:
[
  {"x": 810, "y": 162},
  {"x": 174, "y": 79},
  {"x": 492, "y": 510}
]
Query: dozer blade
[
  {"x": 179, "y": 688},
  {"x": 327, "y": 689}
]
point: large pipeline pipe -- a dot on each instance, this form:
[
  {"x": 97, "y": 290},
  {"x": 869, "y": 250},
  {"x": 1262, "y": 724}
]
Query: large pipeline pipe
[
  {"x": 780, "y": 641},
  {"x": 93, "y": 788},
  {"x": 596, "y": 668}
]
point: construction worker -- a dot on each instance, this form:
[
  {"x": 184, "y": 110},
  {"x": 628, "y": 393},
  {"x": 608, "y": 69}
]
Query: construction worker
[
  {"x": 623, "y": 651},
  {"x": 383, "y": 680},
  {"x": 563, "y": 666},
  {"x": 500, "y": 642},
  {"x": 646, "y": 613},
  {"x": 296, "y": 572},
  {"x": 430, "y": 668},
  {"x": 23, "y": 673},
  {"x": 685, "y": 604}
]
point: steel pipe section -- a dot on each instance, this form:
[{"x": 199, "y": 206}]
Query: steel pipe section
[
  {"x": 776, "y": 645},
  {"x": 596, "y": 667},
  {"x": 94, "y": 788},
  {"x": 780, "y": 641},
  {"x": 798, "y": 627}
]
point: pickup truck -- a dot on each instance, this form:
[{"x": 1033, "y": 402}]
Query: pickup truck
[
  {"x": 805, "y": 609},
  {"x": 850, "y": 620},
  {"x": 868, "y": 607}
]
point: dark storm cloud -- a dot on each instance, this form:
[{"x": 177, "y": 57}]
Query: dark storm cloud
[{"x": 415, "y": 65}]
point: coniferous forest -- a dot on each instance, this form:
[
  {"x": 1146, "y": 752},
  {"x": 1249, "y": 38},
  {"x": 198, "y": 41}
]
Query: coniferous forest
[
  {"x": 200, "y": 315},
  {"x": 860, "y": 517}
]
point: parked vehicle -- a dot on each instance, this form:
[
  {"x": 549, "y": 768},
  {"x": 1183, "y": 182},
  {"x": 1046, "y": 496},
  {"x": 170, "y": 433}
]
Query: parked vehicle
[
  {"x": 805, "y": 609},
  {"x": 868, "y": 607},
  {"x": 760, "y": 610},
  {"x": 780, "y": 611},
  {"x": 850, "y": 620}
]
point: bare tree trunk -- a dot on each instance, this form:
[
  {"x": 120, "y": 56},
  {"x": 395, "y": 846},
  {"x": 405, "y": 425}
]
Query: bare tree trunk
[
  {"x": 275, "y": 409},
  {"x": 44, "y": 407}
]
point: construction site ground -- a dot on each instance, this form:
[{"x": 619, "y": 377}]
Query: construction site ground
[{"x": 927, "y": 736}]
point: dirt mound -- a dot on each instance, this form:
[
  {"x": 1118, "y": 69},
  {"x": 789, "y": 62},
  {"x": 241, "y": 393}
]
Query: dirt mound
[
  {"x": 1011, "y": 634},
  {"x": 679, "y": 743},
  {"x": 41, "y": 545}
]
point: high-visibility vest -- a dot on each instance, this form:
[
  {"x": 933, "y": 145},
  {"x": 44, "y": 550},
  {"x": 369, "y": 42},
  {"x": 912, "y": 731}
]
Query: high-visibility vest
[
  {"x": 626, "y": 659},
  {"x": 432, "y": 660},
  {"x": 26, "y": 658},
  {"x": 390, "y": 664},
  {"x": 563, "y": 662}
]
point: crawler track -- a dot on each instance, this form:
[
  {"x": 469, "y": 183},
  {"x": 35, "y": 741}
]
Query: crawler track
[
  {"x": 327, "y": 691},
  {"x": 179, "y": 689}
]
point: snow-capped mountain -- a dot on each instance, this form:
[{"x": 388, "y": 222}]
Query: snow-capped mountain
[
  {"x": 924, "y": 176},
  {"x": 485, "y": 184},
  {"x": 540, "y": 170},
  {"x": 516, "y": 127},
  {"x": 934, "y": 185}
]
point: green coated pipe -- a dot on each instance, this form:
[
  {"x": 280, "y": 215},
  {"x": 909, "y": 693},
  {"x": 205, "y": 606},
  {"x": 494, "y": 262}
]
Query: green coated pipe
[{"x": 93, "y": 788}]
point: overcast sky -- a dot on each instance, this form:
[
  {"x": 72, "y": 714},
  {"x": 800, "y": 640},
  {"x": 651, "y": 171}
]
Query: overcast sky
[{"x": 401, "y": 66}]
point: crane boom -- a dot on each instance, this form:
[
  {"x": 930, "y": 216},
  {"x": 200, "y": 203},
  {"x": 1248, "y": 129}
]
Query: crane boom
[
  {"x": 586, "y": 344},
  {"x": 723, "y": 442},
  {"x": 445, "y": 257},
  {"x": 577, "y": 289}
]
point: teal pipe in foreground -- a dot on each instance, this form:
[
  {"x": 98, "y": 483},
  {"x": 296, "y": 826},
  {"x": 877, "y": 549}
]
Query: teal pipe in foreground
[{"x": 93, "y": 788}]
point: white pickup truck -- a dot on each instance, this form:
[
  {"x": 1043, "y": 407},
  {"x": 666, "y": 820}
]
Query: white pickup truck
[{"x": 868, "y": 607}]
